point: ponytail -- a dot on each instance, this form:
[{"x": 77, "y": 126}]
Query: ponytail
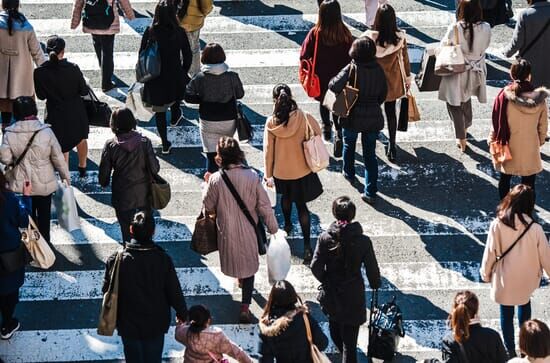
[
  {"x": 12, "y": 8},
  {"x": 53, "y": 57},
  {"x": 520, "y": 70},
  {"x": 465, "y": 308},
  {"x": 199, "y": 317},
  {"x": 54, "y": 46},
  {"x": 284, "y": 104}
]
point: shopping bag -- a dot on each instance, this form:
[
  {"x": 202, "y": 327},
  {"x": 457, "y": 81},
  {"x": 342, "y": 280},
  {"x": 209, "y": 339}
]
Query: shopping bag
[
  {"x": 315, "y": 151},
  {"x": 414, "y": 113},
  {"x": 205, "y": 235},
  {"x": 426, "y": 79},
  {"x": 109, "y": 305},
  {"x": 449, "y": 58},
  {"x": 278, "y": 257},
  {"x": 134, "y": 102},
  {"x": 271, "y": 193},
  {"x": 65, "y": 206},
  {"x": 41, "y": 253}
]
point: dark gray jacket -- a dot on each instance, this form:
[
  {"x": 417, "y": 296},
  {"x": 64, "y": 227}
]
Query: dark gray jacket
[
  {"x": 530, "y": 22},
  {"x": 483, "y": 345}
]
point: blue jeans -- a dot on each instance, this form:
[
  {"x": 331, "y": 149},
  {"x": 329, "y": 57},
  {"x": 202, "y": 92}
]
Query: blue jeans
[
  {"x": 143, "y": 350},
  {"x": 368, "y": 141},
  {"x": 507, "y": 323}
]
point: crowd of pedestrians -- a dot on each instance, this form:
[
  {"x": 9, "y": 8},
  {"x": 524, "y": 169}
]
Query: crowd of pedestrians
[{"x": 517, "y": 252}]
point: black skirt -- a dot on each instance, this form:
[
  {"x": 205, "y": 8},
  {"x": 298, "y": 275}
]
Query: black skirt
[{"x": 301, "y": 190}]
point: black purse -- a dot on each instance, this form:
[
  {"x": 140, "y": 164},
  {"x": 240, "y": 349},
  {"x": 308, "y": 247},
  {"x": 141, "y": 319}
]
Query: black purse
[
  {"x": 403, "y": 122},
  {"x": 244, "y": 128},
  {"x": 99, "y": 113}
]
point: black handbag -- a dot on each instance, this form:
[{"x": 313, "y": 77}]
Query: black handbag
[
  {"x": 160, "y": 188},
  {"x": 244, "y": 128},
  {"x": 259, "y": 228},
  {"x": 148, "y": 66},
  {"x": 403, "y": 122},
  {"x": 426, "y": 79},
  {"x": 99, "y": 113}
]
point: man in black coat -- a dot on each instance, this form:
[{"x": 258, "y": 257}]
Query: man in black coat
[{"x": 148, "y": 288}]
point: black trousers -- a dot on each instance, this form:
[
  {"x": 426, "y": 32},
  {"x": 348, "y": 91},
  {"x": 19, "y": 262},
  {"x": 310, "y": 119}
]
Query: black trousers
[
  {"x": 103, "y": 46},
  {"x": 42, "y": 214},
  {"x": 7, "y": 306},
  {"x": 345, "y": 339},
  {"x": 143, "y": 350},
  {"x": 247, "y": 286},
  {"x": 505, "y": 179}
]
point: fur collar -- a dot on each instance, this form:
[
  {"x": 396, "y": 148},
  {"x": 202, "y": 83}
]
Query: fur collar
[
  {"x": 528, "y": 99},
  {"x": 274, "y": 327},
  {"x": 382, "y": 52}
]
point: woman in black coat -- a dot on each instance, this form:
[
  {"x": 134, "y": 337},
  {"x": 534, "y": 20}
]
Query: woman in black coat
[
  {"x": 62, "y": 85},
  {"x": 339, "y": 257},
  {"x": 167, "y": 90}
]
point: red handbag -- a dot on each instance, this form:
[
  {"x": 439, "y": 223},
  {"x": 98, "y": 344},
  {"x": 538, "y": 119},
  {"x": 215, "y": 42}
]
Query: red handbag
[{"x": 308, "y": 78}]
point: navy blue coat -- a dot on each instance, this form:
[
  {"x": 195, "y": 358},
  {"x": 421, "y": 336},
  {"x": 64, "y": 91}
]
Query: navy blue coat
[{"x": 13, "y": 215}]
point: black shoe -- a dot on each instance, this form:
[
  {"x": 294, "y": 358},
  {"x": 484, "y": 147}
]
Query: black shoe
[
  {"x": 338, "y": 146},
  {"x": 391, "y": 152},
  {"x": 9, "y": 329},
  {"x": 327, "y": 132},
  {"x": 176, "y": 117},
  {"x": 82, "y": 172},
  {"x": 108, "y": 87},
  {"x": 166, "y": 148},
  {"x": 368, "y": 199},
  {"x": 308, "y": 255}
]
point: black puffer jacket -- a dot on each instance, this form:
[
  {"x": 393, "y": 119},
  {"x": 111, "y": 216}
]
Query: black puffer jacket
[
  {"x": 283, "y": 337},
  {"x": 125, "y": 155},
  {"x": 483, "y": 345},
  {"x": 366, "y": 115},
  {"x": 339, "y": 257}
]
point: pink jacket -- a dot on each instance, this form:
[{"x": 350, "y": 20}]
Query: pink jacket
[
  {"x": 211, "y": 340},
  {"x": 115, "y": 27},
  {"x": 515, "y": 277}
]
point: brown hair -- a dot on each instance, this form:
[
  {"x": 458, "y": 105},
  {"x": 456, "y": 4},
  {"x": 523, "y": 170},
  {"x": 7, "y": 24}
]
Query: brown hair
[
  {"x": 122, "y": 121},
  {"x": 519, "y": 201},
  {"x": 520, "y": 70},
  {"x": 385, "y": 23},
  {"x": 330, "y": 27},
  {"x": 471, "y": 13},
  {"x": 534, "y": 339},
  {"x": 282, "y": 295},
  {"x": 229, "y": 152},
  {"x": 465, "y": 308},
  {"x": 213, "y": 53}
]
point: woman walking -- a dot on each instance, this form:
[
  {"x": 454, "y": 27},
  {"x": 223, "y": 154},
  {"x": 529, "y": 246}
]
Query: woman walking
[
  {"x": 468, "y": 341},
  {"x": 237, "y": 241},
  {"x": 340, "y": 255},
  {"x": 14, "y": 214},
  {"x": 519, "y": 121},
  {"x": 393, "y": 57},
  {"x": 131, "y": 159},
  {"x": 103, "y": 23},
  {"x": 283, "y": 329},
  {"x": 20, "y": 48},
  {"x": 62, "y": 85},
  {"x": 167, "y": 90},
  {"x": 285, "y": 164},
  {"x": 216, "y": 89},
  {"x": 39, "y": 163},
  {"x": 205, "y": 343},
  {"x": 333, "y": 40},
  {"x": 534, "y": 343},
  {"x": 516, "y": 253},
  {"x": 366, "y": 116},
  {"x": 457, "y": 90}
]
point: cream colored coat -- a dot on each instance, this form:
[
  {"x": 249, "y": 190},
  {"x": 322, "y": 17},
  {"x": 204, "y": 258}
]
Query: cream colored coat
[
  {"x": 115, "y": 26},
  {"x": 528, "y": 122},
  {"x": 515, "y": 277}
]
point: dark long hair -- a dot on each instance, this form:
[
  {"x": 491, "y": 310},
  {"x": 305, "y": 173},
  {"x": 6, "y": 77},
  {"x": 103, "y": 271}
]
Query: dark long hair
[
  {"x": 330, "y": 27},
  {"x": 284, "y": 104},
  {"x": 12, "y": 8},
  {"x": 199, "y": 316},
  {"x": 465, "y": 308},
  {"x": 54, "y": 46},
  {"x": 385, "y": 23},
  {"x": 3, "y": 187},
  {"x": 471, "y": 13},
  {"x": 165, "y": 16},
  {"x": 519, "y": 201},
  {"x": 283, "y": 296}
]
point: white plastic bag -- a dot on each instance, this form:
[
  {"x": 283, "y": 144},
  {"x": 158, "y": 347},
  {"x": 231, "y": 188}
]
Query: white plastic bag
[
  {"x": 271, "y": 193},
  {"x": 278, "y": 257},
  {"x": 134, "y": 102},
  {"x": 65, "y": 207}
]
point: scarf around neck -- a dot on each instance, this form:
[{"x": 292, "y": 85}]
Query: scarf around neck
[
  {"x": 500, "y": 113},
  {"x": 215, "y": 69}
]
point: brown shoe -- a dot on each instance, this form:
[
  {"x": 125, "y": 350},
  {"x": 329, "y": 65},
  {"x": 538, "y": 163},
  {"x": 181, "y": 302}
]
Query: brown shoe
[{"x": 246, "y": 317}]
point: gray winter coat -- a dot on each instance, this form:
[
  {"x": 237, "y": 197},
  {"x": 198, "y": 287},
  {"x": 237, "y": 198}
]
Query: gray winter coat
[{"x": 530, "y": 23}]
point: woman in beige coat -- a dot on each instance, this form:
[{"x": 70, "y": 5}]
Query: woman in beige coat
[
  {"x": 19, "y": 48},
  {"x": 519, "y": 121},
  {"x": 515, "y": 269},
  {"x": 237, "y": 241}
]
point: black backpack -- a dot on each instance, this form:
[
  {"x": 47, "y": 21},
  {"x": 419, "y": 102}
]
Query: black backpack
[
  {"x": 385, "y": 329},
  {"x": 98, "y": 14}
]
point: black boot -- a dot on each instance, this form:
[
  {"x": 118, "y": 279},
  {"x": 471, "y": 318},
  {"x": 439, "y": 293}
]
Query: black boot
[{"x": 391, "y": 152}]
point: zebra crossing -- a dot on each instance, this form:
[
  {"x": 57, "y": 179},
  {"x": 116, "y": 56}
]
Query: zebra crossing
[{"x": 428, "y": 228}]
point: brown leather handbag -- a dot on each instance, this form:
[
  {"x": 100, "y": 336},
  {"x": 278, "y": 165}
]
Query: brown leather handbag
[{"x": 205, "y": 235}]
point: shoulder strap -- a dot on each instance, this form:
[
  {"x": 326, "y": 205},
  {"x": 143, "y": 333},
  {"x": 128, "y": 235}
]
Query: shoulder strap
[
  {"x": 213, "y": 357},
  {"x": 308, "y": 328},
  {"x": 456, "y": 34},
  {"x": 316, "y": 33},
  {"x": 530, "y": 45},
  {"x": 308, "y": 130},
  {"x": 20, "y": 158},
  {"x": 237, "y": 197},
  {"x": 515, "y": 242}
]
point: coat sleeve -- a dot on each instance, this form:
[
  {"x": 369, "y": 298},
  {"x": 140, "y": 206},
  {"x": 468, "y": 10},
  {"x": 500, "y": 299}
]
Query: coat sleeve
[
  {"x": 192, "y": 92},
  {"x": 500, "y": 351},
  {"x": 206, "y": 6},
  {"x": 306, "y": 51},
  {"x": 543, "y": 125},
  {"x": 22, "y": 211},
  {"x": 319, "y": 338},
  {"x": 448, "y": 354},
  {"x": 83, "y": 88},
  {"x": 127, "y": 9},
  {"x": 6, "y": 155},
  {"x": 105, "y": 167},
  {"x": 406, "y": 61},
  {"x": 543, "y": 250},
  {"x": 226, "y": 346},
  {"x": 153, "y": 161},
  {"x": 265, "y": 351},
  {"x": 383, "y": 88},
  {"x": 39, "y": 88},
  {"x": 174, "y": 293},
  {"x": 338, "y": 83},
  {"x": 57, "y": 158},
  {"x": 186, "y": 54},
  {"x": 35, "y": 49},
  {"x": 107, "y": 278},
  {"x": 263, "y": 207},
  {"x": 210, "y": 200},
  {"x": 238, "y": 87},
  {"x": 319, "y": 261},
  {"x": 314, "y": 123},
  {"x": 518, "y": 38},
  {"x": 269, "y": 150},
  {"x": 77, "y": 13},
  {"x": 489, "y": 255},
  {"x": 371, "y": 265}
]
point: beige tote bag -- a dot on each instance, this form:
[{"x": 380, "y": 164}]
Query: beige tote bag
[
  {"x": 41, "y": 253},
  {"x": 107, "y": 317},
  {"x": 315, "y": 151},
  {"x": 316, "y": 355},
  {"x": 449, "y": 58}
]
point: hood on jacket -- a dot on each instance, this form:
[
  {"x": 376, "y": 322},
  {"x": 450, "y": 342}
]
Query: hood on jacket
[
  {"x": 215, "y": 69},
  {"x": 528, "y": 100},
  {"x": 348, "y": 231},
  {"x": 293, "y": 125},
  {"x": 275, "y": 327},
  {"x": 382, "y": 52},
  {"x": 26, "y": 126},
  {"x": 129, "y": 141}
]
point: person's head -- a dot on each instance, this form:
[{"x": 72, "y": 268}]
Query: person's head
[
  {"x": 12, "y": 8},
  {"x": 24, "y": 107},
  {"x": 343, "y": 209},
  {"x": 518, "y": 202},
  {"x": 465, "y": 308},
  {"x": 330, "y": 25},
  {"x": 199, "y": 319},
  {"x": 520, "y": 70},
  {"x": 142, "y": 227},
  {"x": 10, "y": 5},
  {"x": 385, "y": 23},
  {"x": 470, "y": 12},
  {"x": 229, "y": 152},
  {"x": 282, "y": 296},
  {"x": 55, "y": 47},
  {"x": 284, "y": 104},
  {"x": 363, "y": 50},
  {"x": 165, "y": 15},
  {"x": 213, "y": 53},
  {"x": 534, "y": 339},
  {"x": 122, "y": 121}
]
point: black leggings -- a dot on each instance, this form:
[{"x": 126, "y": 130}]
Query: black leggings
[
  {"x": 325, "y": 117},
  {"x": 505, "y": 179},
  {"x": 391, "y": 117},
  {"x": 42, "y": 214},
  {"x": 7, "y": 306},
  {"x": 303, "y": 217},
  {"x": 345, "y": 339},
  {"x": 162, "y": 128},
  {"x": 247, "y": 286}
]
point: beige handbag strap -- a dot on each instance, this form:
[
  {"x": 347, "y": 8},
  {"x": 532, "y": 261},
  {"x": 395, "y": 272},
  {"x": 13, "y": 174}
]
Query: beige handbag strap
[
  {"x": 309, "y": 130},
  {"x": 308, "y": 328},
  {"x": 456, "y": 34}
]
